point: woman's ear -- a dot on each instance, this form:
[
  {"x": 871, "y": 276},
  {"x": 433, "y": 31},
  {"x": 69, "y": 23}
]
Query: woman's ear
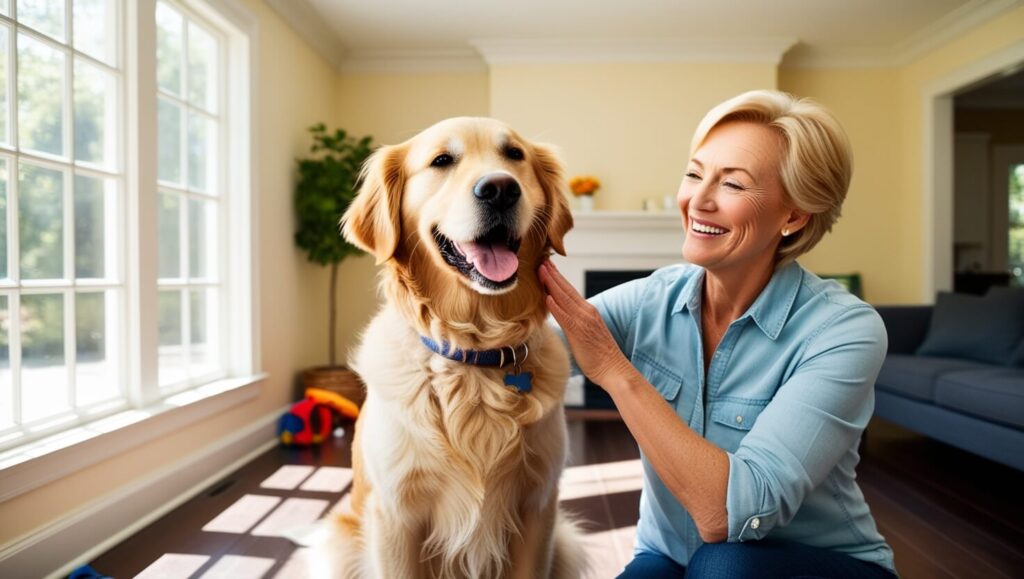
[
  {"x": 551, "y": 174},
  {"x": 372, "y": 222},
  {"x": 797, "y": 221}
]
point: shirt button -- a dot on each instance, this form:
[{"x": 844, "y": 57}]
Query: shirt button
[
  {"x": 739, "y": 419},
  {"x": 755, "y": 523}
]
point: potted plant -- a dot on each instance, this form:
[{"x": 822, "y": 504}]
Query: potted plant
[{"x": 327, "y": 185}]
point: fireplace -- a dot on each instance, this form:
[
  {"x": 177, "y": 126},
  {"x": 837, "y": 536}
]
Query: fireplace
[{"x": 605, "y": 249}]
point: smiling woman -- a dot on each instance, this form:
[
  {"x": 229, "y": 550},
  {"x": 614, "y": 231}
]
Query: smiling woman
[{"x": 771, "y": 368}]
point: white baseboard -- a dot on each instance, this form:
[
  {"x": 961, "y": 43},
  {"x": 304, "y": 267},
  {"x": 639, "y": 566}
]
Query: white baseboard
[{"x": 57, "y": 548}]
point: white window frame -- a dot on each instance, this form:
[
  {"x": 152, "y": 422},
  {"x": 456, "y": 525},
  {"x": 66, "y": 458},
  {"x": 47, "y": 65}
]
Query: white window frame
[{"x": 153, "y": 414}]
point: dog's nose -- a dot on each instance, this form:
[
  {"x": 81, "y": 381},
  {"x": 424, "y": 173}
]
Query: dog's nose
[{"x": 499, "y": 191}]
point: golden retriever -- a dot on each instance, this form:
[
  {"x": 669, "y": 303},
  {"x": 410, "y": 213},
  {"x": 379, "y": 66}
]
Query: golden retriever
[{"x": 457, "y": 464}]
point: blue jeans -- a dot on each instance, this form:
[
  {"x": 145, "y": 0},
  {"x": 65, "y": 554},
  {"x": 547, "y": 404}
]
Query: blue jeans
[{"x": 761, "y": 559}]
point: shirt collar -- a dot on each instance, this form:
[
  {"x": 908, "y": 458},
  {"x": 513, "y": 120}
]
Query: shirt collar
[{"x": 771, "y": 308}]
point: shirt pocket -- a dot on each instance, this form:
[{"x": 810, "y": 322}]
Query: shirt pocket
[
  {"x": 664, "y": 380},
  {"x": 737, "y": 413}
]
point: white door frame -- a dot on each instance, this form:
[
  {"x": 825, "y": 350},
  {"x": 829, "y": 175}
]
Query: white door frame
[{"x": 938, "y": 161}]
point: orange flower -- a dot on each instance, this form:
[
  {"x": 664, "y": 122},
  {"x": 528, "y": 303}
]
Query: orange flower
[{"x": 584, "y": 185}]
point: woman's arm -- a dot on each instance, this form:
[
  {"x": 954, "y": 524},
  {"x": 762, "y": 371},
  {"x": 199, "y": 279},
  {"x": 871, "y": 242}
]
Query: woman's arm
[{"x": 695, "y": 471}]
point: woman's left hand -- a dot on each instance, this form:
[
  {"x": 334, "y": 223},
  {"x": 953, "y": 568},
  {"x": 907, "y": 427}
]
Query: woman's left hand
[{"x": 593, "y": 347}]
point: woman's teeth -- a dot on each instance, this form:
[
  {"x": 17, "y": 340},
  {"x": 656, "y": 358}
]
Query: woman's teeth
[{"x": 706, "y": 229}]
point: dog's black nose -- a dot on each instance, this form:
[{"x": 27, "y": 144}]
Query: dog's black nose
[{"x": 499, "y": 191}]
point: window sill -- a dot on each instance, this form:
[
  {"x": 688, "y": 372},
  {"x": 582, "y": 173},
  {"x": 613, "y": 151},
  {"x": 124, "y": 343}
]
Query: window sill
[{"x": 42, "y": 461}]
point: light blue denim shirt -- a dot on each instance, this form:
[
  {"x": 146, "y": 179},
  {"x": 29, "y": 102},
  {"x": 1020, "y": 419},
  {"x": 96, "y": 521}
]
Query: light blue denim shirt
[{"x": 787, "y": 395}]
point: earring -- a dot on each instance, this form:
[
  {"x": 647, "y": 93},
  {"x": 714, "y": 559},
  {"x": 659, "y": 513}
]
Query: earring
[{"x": 785, "y": 233}]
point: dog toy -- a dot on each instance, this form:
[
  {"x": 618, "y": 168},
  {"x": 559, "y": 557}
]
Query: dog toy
[
  {"x": 307, "y": 422},
  {"x": 343, "y": 405}
]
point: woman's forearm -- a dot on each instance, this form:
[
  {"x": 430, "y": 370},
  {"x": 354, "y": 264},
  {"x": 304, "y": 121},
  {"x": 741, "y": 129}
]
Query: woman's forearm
[{"x": 695, "y": 471}]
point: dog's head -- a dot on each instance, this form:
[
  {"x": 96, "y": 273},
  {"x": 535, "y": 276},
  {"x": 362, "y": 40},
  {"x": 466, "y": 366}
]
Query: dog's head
[{"x": 483, "y": 203}]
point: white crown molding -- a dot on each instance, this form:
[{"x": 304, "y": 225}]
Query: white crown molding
[
  {"x": 532, "y": 51},
  {"x": 311, "y": 27},
  {"x": 417, "y": 60},
  {"x": 970, "y": 15}
]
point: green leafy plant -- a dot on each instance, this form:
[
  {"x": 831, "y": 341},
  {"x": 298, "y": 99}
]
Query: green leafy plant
[{"x": 328, "y": 182}]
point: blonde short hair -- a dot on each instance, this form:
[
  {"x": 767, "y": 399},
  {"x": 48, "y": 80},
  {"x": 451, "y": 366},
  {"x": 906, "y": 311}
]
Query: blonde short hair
[{"x": 816, "y": 165}]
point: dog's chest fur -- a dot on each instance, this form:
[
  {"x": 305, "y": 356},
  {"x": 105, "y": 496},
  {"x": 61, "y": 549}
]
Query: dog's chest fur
[{"x": 451, "y": 445}]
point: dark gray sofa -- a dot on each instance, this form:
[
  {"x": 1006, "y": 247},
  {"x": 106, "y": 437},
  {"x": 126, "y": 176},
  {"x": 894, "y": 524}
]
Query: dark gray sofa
[{"x": 974, "y": 405}]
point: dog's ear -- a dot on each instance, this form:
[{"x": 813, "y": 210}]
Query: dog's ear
[
  {"x": 551, "y": 174},
  {"x": 373, "y": 220}
]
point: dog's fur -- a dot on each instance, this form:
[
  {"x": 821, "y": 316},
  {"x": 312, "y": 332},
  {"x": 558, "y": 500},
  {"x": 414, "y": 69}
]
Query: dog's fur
[{"x": 456, "y": 474}]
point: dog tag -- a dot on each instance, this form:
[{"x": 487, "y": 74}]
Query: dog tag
[{"x": 521, "y": 382}]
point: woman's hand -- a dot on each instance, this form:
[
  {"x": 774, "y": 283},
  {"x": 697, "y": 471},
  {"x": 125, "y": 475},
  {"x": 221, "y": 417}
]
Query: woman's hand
[{"x": 593, "y": 347}]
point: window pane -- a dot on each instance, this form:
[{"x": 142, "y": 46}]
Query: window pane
[
  {"x": 202, "y": 68},
  {"x": 94, "y": 23},
  {"x": 95, "y": 114},
  {"x": 5, "y": 6},
  {"x": 46, "y": 16},
  {"x": 40, "y": 96},
  {"x": 40, "y": 222},
  {"x": 205, "y": 338},
  {"x": 172, "y": 354},
  {"x": 4, "y": 101},
  {"x": 44, "y": 390},
  {"x": 202, "y": 153},
  {"x": 95, "y": 369},
  {"x": 94, "y": 198},
  {"x": 169, "y": 236},
  {"x": 169, "y": 40},
  {"x": 3, "y": 218},
  {"x": 169, "y": 141},
  {"x": 6, "y": 385},
  {"x": 202, "y": 238}
]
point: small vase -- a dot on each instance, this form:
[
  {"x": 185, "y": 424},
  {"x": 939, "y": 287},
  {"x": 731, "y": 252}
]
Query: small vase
[{"x": 586, "y": 203}]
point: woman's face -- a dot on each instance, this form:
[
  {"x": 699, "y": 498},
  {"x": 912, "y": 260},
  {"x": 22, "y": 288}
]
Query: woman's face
[{"x": 732, "y": 199}]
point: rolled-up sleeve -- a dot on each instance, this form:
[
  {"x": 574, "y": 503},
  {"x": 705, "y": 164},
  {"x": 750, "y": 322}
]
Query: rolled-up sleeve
[{"x": 816, "y": 416}]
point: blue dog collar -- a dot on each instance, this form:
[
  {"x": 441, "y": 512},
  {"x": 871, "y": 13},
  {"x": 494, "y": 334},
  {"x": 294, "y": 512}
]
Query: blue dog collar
[{"x": 498, "y": 358}]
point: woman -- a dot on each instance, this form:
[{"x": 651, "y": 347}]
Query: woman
[{"x": 745, "y": 379}]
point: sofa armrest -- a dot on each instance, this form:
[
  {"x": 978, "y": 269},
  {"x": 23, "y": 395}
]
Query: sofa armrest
[{"x": 906, "y": 326}]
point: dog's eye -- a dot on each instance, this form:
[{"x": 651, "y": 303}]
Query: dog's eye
[
  {"x": 442, "y": 160},
  {"x": 514, "y": 153}
]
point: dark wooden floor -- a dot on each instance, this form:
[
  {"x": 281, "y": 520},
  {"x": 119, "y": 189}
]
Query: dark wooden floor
[{"x": 947, "y": 513}]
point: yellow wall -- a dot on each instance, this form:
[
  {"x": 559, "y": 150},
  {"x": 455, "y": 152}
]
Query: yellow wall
[
  {"x": 296, "y": 89},
  {"x": 628, "y": 124},
  {"x": 865, "y": 102}
]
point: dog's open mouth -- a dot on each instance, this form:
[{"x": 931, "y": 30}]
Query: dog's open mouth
[{"x": 490, "y": 260}]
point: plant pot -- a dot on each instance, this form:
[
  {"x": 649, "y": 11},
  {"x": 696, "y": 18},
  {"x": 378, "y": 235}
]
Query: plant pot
[{"x": 338, "y": 379}]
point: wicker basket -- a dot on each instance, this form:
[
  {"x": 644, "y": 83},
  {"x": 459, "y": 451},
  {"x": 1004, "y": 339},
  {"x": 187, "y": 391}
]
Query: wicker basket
[{"x": 338, "y": 379}]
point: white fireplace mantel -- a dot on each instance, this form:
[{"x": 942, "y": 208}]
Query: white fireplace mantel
[{"x": 620, "y": 241}]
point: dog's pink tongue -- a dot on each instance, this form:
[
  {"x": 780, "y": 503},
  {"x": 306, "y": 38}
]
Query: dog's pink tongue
[{"x": 495, "y": 262}]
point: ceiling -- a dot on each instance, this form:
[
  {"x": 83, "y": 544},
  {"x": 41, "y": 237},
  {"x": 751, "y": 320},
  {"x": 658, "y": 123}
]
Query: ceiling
[{"x": 820, "y": 30}]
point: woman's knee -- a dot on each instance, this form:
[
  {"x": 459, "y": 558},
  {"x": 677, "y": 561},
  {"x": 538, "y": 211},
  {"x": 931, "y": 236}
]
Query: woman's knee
[{"x": 713, "y": 560}]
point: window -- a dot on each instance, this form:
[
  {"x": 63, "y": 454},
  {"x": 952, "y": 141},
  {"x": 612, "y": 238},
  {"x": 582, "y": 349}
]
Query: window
[
  {"x": 61, "y": 178},
  {"x": 189, "y": 205},
  {"x": 114, "y": 282},
  {"x": 1016, "y": 253}
]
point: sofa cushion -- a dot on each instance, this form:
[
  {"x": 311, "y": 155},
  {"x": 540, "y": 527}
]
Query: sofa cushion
[
  {"x": 914, "y": 376},
  {"x": 1017, "y": 357},
  {"x": 994, "y": 394},
  {"x": 986, "y": 329}
]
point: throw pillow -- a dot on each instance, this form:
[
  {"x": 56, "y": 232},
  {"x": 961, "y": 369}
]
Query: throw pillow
[
  {"x": 986, "y": 329},
  {"x": 1017, "y": 357}
]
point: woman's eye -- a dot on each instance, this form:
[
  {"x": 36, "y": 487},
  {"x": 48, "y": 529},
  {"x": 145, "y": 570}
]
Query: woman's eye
[
  {"x": 514, "y": 153},
  {"x": 442, "y": 160},
  {"x": 692, "y": 175},
  {"x": 732, "y": 185}
]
